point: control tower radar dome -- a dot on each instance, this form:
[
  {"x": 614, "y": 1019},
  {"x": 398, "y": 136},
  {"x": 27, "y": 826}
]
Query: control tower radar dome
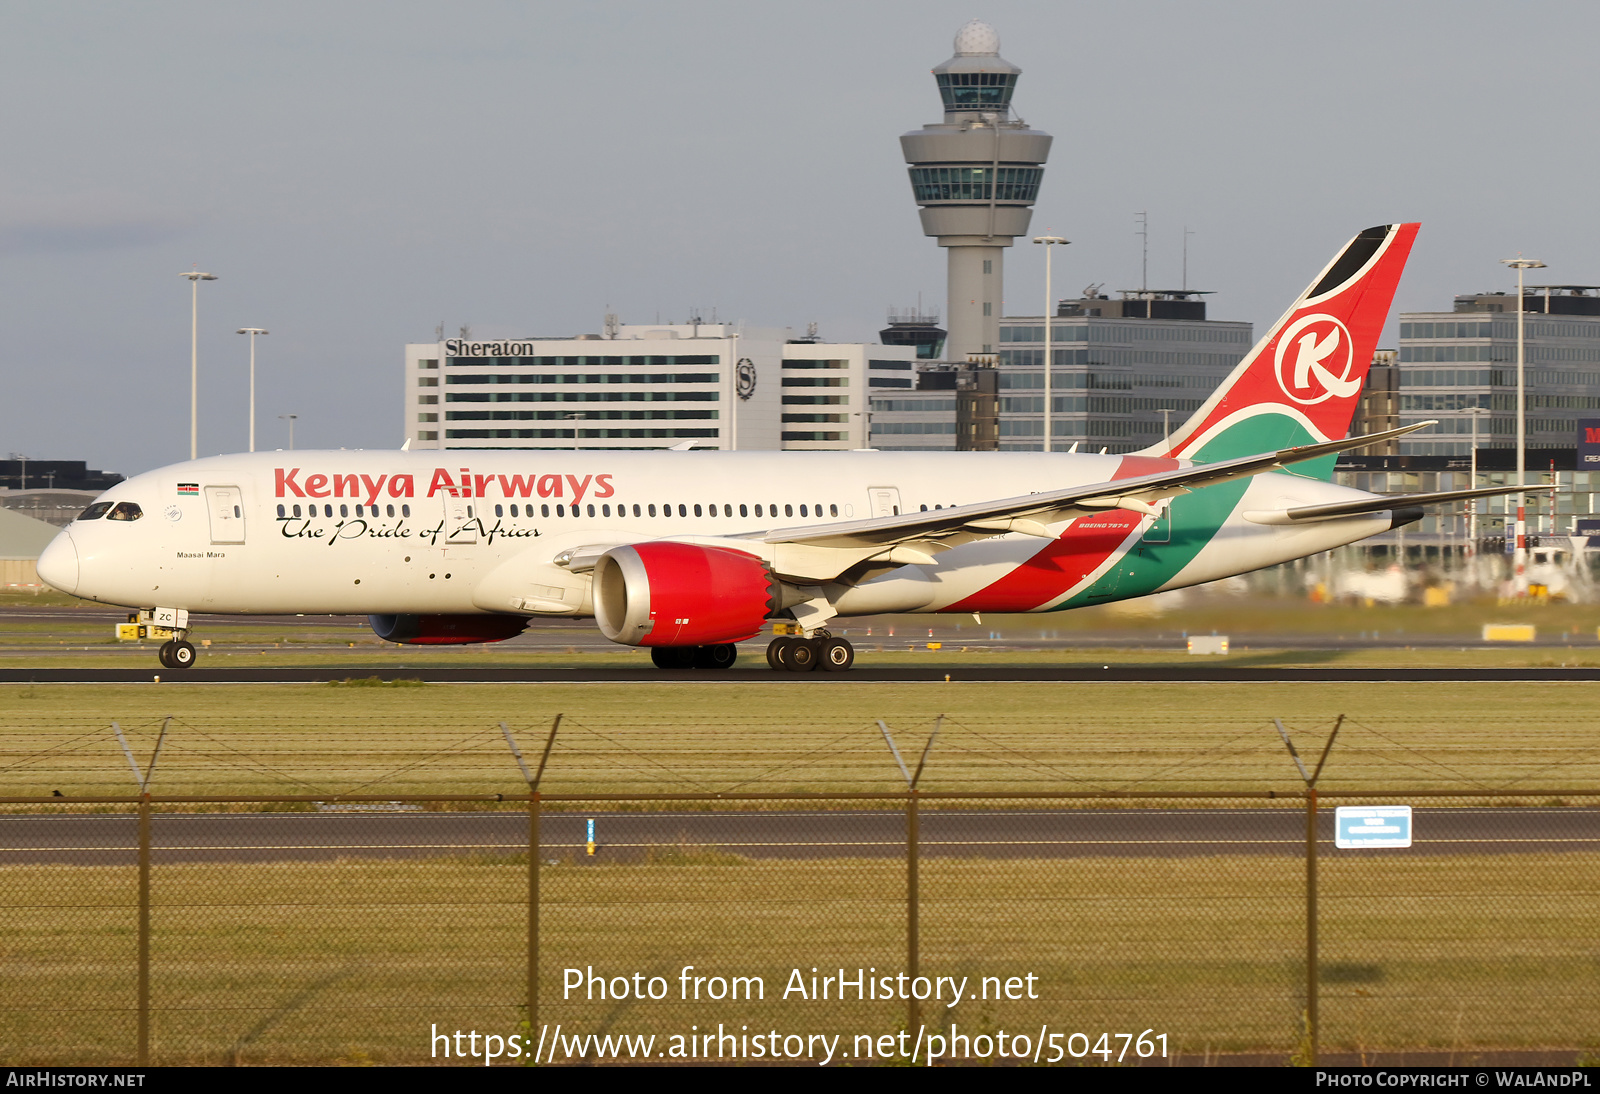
[
  {"x": 975, "y": 176},
  {"x": 977, "y": 38}
]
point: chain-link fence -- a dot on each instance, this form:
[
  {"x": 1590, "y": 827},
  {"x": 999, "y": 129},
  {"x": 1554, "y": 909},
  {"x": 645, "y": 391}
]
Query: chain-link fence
[{"x": 859, "y": 928}]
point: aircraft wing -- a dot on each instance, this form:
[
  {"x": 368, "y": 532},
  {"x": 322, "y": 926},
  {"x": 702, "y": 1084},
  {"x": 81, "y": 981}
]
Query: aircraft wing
[{"x": 1030, "y": 513}]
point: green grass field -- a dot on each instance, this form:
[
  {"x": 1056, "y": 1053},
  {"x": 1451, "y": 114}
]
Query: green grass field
[
  {"x": 754, "y": 736},
  {"x": 353, "y": 961}
]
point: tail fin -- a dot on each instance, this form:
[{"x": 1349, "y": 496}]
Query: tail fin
[{"x": 1300, "y": 384}]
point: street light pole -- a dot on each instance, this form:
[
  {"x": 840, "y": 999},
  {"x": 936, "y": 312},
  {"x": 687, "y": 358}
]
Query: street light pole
[
  {"x": 252, "y": 332},
  {"x": 1520, "y": 559},
  {"x": 1049, "y": 306},
  {"x": 195, "y": 277},
  {"x": 1472, "y": 484},
  {"x": 291, "y": 418},
  {"x": 1166, "y": 426}
]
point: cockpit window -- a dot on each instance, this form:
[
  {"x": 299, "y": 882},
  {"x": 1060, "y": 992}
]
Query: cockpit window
[
  {"x": 125, "y": 510},
  {"x": 95, "y": 511}
]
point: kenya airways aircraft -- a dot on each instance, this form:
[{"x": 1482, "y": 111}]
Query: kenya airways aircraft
[{"x": 691, "y": 552}]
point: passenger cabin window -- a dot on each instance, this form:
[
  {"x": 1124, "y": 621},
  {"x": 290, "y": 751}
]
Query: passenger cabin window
[
  {"x": 98, "y": 510},
  {"x": 651, "y": 509},
  {"x": 683, "y": 510},
  {"x": 282, "y": 514},
  {"x": 405, "y": 510},
  {"x": 297, "y": 510},
  {"x": 125, "y": 510},
  {"x": 499, "y": 511},
  {"x": 802, "y": 510},
  {"x": 758, "y": 508},
  {"x": 744, "y": 510},
  {"x": 636, "y": 511},
  {"x": 697, "y": 510},
  {"x": 833, "y": 510},
  {"x": 788, "y": 510}
]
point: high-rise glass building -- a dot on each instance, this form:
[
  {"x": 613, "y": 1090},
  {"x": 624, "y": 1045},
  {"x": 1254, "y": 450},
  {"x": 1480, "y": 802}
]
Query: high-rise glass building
[
  {"x": 1125, "y": 371},
  {"x": 1454, "y": 362}
]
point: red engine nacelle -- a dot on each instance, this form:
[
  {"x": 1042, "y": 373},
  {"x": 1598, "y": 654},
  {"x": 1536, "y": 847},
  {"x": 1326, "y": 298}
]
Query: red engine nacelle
[
  {"x": 681, "y": 594},
  {"x": 446, "y": 630}
]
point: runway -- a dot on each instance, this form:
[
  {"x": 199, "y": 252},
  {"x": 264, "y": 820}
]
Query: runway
[
  {"x": 751, "y": 671},
  {"x": 1024, "y": 832}
]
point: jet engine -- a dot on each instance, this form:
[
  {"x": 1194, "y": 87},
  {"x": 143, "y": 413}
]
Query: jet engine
[
  {"x": 681, "y": 594},
  {"x": 446, "y": 630}
]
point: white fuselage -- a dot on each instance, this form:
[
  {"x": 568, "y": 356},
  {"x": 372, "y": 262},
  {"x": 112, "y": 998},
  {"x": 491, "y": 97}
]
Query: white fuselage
[{"x": 351, "y": 532}]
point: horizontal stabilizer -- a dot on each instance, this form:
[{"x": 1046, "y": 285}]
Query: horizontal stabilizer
[{"x": 1307, "y": 514}]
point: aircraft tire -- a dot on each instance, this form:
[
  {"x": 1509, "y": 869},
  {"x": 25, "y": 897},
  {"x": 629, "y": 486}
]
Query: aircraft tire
[
  {"x": 804, "y": 655},
  {"x": 673, "y": 657},
  {"x": 717, "y": 657},
  {"x": 837, "y": 655},
  {"x": 182, "y": 656},
  {"x": 777, "y": 650},
  {"x": 164, "y": 654}
]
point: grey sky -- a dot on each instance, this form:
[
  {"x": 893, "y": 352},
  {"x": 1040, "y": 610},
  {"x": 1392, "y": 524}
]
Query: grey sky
[{"x": 357, "y": 172}]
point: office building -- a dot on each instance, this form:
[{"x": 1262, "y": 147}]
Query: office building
[
  {"x": 1454, "y": 362},
  {"x": 713, "y": 385},
  {"x": 1461, "y": 365},
  {"x": 1125, "y": 371}
]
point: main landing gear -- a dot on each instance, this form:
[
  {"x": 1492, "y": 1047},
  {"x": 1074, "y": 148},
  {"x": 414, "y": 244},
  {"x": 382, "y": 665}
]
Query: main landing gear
[
  {"x": 824, "y": 651},
  {"x": 721, "y": 656},
  {"x": 176, "y": 654}
]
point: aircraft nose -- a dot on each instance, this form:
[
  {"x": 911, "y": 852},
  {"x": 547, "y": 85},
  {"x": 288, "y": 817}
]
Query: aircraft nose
[{"x": 58, "y": 566}]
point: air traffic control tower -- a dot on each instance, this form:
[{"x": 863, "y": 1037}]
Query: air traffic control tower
[{"x": 975, "y": 175}]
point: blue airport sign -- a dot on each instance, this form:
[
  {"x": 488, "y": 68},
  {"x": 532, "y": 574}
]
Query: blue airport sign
[{"x": 1358, "y": 826}]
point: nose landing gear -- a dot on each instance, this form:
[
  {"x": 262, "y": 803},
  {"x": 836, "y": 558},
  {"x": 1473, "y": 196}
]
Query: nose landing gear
[{"x": 176, "y": 654}]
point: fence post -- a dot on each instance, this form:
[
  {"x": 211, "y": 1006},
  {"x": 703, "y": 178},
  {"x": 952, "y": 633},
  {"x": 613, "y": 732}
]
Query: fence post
[
  {"x": 1310, "y": 778},
  {"x": 533, "y": 911},
  {"x": 913, "y": 853},
  {"x": 144, "y": 930},
  {"x": 912, "y": 900},
  {"x": 1311, "y": 925},
  {"x": 534, "y": 808}
]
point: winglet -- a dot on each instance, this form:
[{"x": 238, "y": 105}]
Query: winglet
[{"x": 407, "y": 446}]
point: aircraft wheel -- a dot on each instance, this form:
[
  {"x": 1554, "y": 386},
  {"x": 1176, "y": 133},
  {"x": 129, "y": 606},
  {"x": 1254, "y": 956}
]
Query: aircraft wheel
[
  {"x": 673, "y": 657},
  {"x": 777, "y": 650},
  {"x": 804, "y": 653},
  {"x": 837, "y": 655},
  {"x": 182, "y": 655},
  {"x": 164, "y": 655},
  {"x": 720, "y": 656}
]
